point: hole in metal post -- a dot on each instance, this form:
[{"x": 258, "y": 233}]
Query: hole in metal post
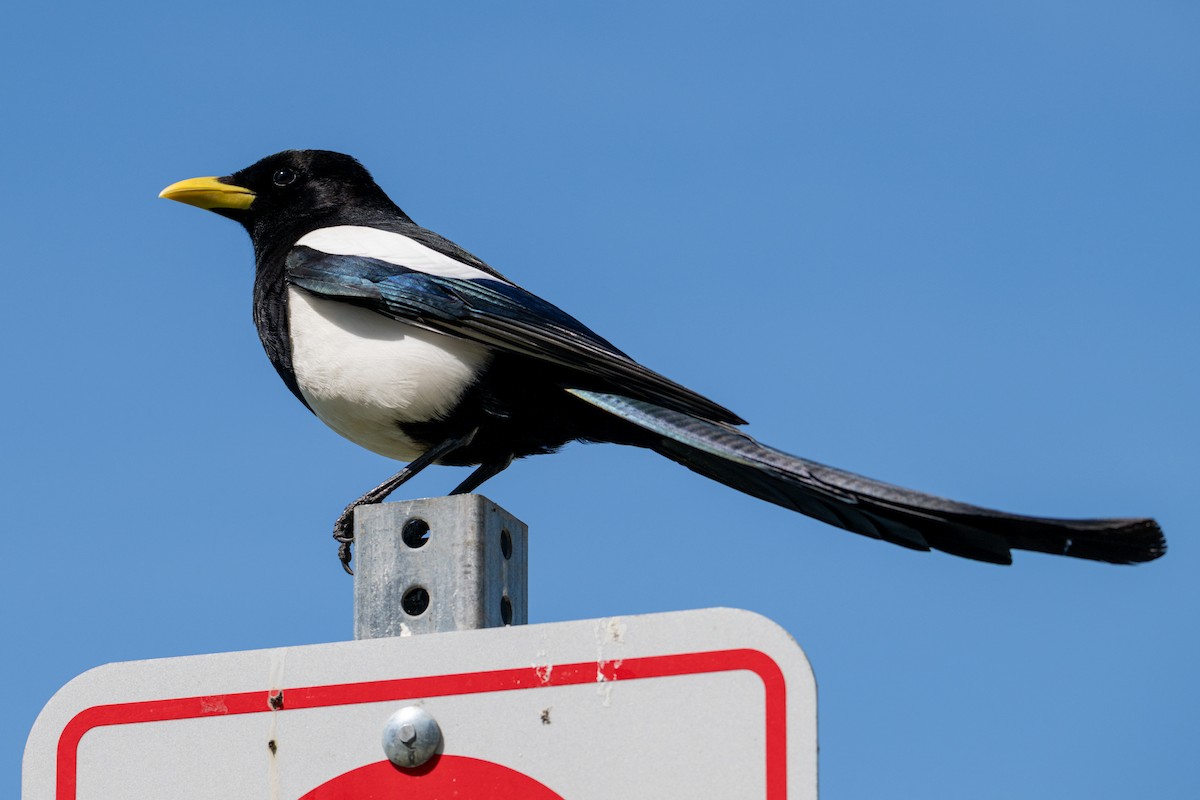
[
  {"x": 506, "y": 543},
  {"x": 505, "y": 610},
  {"x": 415, "y": 533},
  {"x": 415, "y": 601}
]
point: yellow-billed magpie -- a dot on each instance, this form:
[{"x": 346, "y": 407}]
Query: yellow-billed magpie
[{"x": 408, "y": 345}]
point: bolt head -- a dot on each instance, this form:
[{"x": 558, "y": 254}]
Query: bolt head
[{"x": 411, "y": 737}]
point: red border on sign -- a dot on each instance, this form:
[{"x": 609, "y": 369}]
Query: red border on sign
[{"x": 283, "y": 700}]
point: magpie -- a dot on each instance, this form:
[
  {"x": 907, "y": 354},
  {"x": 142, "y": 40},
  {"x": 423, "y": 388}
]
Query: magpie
[{"x": 408, "y": 345}]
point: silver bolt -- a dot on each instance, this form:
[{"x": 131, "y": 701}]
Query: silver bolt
[{"x": 411, "y": 737}]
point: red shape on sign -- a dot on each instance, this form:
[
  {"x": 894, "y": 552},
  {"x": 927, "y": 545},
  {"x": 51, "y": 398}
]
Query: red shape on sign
[{"x": 445, "y": 778}]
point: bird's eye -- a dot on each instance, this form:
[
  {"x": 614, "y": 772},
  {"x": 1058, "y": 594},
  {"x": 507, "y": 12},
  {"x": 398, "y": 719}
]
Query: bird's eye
[{"x": 283, "y": 177}]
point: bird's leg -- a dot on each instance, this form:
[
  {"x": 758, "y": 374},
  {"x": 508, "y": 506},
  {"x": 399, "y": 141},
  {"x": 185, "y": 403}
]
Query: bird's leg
[
  {"x": 343, "y": 529},
  {"x": 483, "y": 473}
]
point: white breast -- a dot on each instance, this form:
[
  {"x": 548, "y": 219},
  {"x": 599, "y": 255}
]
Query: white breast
[{"x": 362, "y": 373}]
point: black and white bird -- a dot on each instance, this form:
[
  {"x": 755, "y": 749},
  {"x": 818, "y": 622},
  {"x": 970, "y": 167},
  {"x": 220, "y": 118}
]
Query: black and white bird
[{"x": 411, "y": 347}]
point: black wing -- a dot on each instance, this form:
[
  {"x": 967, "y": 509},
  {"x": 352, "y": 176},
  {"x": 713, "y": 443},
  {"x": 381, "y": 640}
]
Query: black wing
[{"x": 495, "y": 313}]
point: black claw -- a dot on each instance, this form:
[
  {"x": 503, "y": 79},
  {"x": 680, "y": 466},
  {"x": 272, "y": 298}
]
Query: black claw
[{"x": 343, "y": 533}]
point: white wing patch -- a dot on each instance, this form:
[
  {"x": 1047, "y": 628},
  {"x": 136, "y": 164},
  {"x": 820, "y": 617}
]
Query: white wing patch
[
  {"x": 362, "y": 372},
  {"x": 395, "y": 248}
]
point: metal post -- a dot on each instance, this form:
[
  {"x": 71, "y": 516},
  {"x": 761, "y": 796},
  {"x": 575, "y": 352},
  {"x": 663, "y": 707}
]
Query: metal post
[{"x": 438, "y": 564}]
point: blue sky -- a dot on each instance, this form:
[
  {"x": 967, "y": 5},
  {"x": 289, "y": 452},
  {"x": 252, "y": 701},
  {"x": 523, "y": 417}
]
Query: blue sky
[{"x": 948, "y": 245}]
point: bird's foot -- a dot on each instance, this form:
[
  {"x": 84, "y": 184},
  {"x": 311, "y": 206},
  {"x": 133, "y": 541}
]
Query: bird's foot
[
  {"x": 343, "y": 529},
  {"x": 343, "y": 532}
]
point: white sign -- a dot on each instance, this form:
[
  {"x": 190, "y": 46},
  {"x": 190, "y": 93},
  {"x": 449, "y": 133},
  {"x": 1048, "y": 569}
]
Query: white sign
[{"x": 716, "y": 703}]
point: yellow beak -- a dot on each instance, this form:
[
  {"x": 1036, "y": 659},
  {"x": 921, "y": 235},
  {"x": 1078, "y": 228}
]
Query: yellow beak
[{"x": 209, "y": 193}]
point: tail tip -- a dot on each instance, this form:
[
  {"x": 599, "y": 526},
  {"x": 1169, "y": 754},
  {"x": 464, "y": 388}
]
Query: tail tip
[{"x": 1125, "y": 541}]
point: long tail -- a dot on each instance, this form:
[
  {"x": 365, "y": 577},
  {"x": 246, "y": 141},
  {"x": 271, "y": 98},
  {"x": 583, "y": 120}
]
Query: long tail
[{"x": 879, "y": 510}]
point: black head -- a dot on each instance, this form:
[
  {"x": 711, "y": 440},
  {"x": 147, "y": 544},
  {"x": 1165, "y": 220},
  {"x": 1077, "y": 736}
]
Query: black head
[{"x": 290, "y": 193}]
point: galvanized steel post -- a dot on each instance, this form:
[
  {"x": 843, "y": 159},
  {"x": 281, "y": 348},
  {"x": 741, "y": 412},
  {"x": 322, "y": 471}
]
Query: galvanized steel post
[{"x": 438, "y": 564}]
